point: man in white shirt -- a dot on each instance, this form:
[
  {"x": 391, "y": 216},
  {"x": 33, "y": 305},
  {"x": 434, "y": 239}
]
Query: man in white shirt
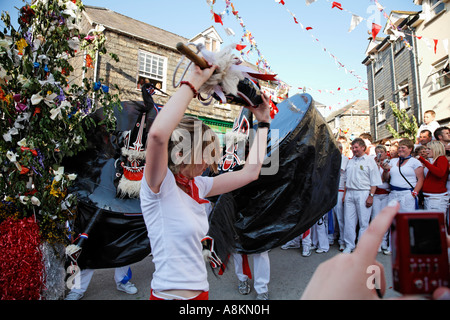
[{"x": 362, "y": 178}]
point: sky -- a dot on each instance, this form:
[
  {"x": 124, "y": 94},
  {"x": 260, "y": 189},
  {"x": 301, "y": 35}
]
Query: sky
[{"x": 300, "y": 57}]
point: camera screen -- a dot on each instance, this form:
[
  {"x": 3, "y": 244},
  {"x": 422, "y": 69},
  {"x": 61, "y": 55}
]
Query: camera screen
[{"x": 424, "y": 236}]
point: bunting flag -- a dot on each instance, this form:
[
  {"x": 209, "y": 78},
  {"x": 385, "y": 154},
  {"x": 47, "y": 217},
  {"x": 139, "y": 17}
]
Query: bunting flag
[
  {"x": 375, "y": 30},
  {"x": 218, "y": 18},
  {"x": 435, "y": 45},
  {"x": 308, "y": 2},
  {"x": 336, "y": 5},
  {"x": 355, "y": 21}
]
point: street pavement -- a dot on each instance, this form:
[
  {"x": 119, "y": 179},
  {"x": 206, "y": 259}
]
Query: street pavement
[{"x": 290, "y": 273}]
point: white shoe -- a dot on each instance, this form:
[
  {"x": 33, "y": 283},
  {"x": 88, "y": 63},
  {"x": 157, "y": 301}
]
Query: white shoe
[
  {"x": 341, "y": 247},
  {"x": 263, "y": 296},
  {"x": 306, "y": 251},
  {"x": 292, "y": 244},
  {"x": 347, "y": 250},
  {"x": 127, "y": 287},
  {"x": 321, "y": 251}
]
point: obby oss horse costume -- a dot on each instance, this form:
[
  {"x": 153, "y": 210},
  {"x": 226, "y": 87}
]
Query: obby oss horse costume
[{"x": 298, "y": 182}]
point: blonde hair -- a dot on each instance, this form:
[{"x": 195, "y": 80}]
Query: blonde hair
[
  {"x": 437, "y": 147},
  {"x": 191, "y": 143}
]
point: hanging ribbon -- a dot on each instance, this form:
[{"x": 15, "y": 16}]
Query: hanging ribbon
[{"x": 246, "y": 266}]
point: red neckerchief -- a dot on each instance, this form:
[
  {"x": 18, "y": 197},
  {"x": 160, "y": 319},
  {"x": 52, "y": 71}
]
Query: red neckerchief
[{"x": 190, "y": 186}]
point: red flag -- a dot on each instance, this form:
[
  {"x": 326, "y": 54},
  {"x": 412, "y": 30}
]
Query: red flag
[
  {"x": 435, "y": 44},
  {"x": 282, "y": 2},
  {"x": 218, "y": 18},
  {"x": 239, "y": 47},
  {"x": 295, "y": 20},
  {"x": 336, "y": 5},
  {"x": 375, "y": 29},
  {"x": 308, "y": 28}
]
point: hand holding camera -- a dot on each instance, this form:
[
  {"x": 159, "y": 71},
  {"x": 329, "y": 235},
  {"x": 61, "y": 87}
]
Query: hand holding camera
[
  {"x": 385, "y": 165},
  {"x": 345, "y": 276}
]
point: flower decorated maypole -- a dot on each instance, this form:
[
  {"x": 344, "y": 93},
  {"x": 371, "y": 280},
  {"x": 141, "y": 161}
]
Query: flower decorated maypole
[{"x": 44, "y": 117}]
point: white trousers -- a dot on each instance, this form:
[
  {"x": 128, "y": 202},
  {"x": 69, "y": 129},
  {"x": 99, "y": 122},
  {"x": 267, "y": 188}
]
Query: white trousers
[
  {"x": 261, "y": 267},
  {"x": 379, "y": 202},
  {"x": 436, "y": 201},
  {"x": 319, "y": 234},
  {"x": 338, "y": 214},
  {"x": 86, "y": 275},
  {"x": 355, "y": 211},
  {"x": 405, "y": 198}
]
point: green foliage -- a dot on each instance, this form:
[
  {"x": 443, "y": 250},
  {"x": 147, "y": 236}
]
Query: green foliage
[
  {"x": 44, "y": 116},
  {"x": 407, "y": 124}
]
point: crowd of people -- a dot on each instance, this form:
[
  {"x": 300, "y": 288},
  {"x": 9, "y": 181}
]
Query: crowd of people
[{"x": 415, "y": 173}]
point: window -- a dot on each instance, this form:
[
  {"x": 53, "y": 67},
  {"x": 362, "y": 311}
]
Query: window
[
  {"x": 403, "y": 96},
  {"x": 381, "y": 110},
  {"x": 399, "y": 45},
  {"x": 152, "y": 68},
  {"x": 436, "y": 6},
  {"x": 378, "y": 62},
  {"x": 440, "y": 74}
]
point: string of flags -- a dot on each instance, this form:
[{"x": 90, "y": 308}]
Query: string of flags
[
  {"x": 336, "y": 60},
  {"x": 334, "y": 91},
  {"x": 261, "y": 63},
  {"x": 335, "y": 5},
  {"x": 431, "y": 43}
]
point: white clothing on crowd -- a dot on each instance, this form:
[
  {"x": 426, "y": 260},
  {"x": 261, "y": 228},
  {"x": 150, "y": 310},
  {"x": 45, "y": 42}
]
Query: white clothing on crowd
[
  {"x": 261, "y": 270},
  {"x": 319, "y": 235},
  {"x": 404, "y": 197},
  {"x": 432, "y": 126},
  {"x": 361, "y": 174},
  {"x": 121, "y": 275},
  {"x": 306, "y": 241},
  {"x": 436, "y": 201},
  {"x": 338, "y": 210},
  {"x": 379, "y": 202},
  {"x": 173, "y": 217}
]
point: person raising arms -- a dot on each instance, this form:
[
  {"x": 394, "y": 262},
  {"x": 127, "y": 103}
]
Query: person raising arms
[{"x": 172, "y": 189}]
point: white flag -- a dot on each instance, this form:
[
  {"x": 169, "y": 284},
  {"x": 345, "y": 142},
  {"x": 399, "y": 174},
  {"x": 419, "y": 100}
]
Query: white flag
[
  {"x": 308, "y": 2},
  {"x": 445, "y": 43},
  {"x": 229, "y": 32},
  {"x": 355, "y": 21},
  {"x": 428, "y": 43},
  {"x": 397, "y": 33}
]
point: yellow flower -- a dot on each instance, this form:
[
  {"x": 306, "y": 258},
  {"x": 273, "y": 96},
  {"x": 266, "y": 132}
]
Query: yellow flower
[
  {"x": 21, "y": 44},
  {"x": 54, "y": 191}
]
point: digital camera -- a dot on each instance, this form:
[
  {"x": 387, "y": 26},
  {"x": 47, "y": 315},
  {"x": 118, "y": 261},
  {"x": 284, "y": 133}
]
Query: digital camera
[{"x": 419, "y": 252}]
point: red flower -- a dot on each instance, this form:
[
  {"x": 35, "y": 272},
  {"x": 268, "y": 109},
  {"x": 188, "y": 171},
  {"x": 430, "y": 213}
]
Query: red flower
[{"x": 26, "y": 14}]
